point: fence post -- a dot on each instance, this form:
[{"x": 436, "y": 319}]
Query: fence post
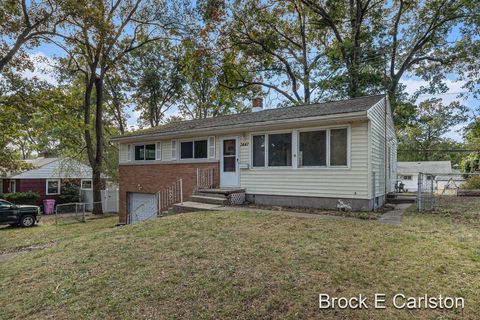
[
  {"x": 419, "y": 191},
  {"x": 181, "y": 191}
]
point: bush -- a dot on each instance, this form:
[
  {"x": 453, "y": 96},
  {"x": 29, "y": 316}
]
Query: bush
[
  {"x": 472, "y": 183},
  {"x": 70, "y": 193},
  {"x": 22, "y": 197}
]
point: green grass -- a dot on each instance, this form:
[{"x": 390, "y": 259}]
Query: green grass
[{"x": 221, "y": 265}]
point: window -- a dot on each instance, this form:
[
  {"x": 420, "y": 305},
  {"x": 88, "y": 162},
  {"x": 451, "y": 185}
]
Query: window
[
  {"x": 313, "y": 148},
  {"x": 5, "y": 204},
  {"x": 53, "y": 186},
  {"x": 86, "y": 184},
  {"x": 338, "y": 147},
  {"x": 280, "y": 150},
  {"x": 197, "y": 149},
  {"x": 13, "y": 186},
  {"x": 145, "y": 152},
  {"x": 259, "y": 151}
]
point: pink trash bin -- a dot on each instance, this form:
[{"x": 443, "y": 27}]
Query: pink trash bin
[{"x": 48, "y": 206}]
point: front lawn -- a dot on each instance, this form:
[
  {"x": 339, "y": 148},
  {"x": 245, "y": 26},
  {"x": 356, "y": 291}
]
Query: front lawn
[{"x": 223, "y": 265}]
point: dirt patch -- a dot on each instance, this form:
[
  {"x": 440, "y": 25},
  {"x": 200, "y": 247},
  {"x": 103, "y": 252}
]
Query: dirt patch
[
  {"x": 370, "y": 215},
  {"x": 6, "y": 255}
]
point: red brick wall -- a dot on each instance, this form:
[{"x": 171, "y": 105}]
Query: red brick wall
[{"x": 155, "y": 177}]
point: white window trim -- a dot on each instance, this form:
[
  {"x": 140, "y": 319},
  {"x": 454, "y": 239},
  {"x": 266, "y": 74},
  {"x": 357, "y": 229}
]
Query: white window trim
[
  {"x": 14, "y": 186},
  {"x": 81, "y": 184},
  {"x": 296, "y": 149},
  {"x": 193, "y": 149},
  {"x": 58, "y": 190},
  {"x": 144, "y": 144}
]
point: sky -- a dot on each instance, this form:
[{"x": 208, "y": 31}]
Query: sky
[{"x": 45, "y": 54}]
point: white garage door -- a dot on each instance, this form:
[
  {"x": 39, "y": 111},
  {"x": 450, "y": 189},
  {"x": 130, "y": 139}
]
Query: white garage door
[{"x": 143, "y": 206}]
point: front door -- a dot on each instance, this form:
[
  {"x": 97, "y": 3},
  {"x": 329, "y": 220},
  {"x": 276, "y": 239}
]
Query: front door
[{"x": 229, "y": 173}]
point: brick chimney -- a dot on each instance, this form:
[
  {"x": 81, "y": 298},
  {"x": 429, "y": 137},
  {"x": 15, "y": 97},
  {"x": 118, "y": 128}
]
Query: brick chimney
[{"x": 257, "y": 104}]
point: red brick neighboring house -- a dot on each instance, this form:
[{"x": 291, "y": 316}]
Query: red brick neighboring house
[
  {"x": 318, "y": 155},
  {"x": 47, "y": 177}
]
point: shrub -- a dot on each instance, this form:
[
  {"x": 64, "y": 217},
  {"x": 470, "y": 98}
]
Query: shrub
[
  {"x": 472, "y": 183},
  {"x": 70, "y": 193},
  {"x": 22, "y": 197}
]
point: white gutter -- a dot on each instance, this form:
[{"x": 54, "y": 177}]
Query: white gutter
[{"x": 359, "y": 115}]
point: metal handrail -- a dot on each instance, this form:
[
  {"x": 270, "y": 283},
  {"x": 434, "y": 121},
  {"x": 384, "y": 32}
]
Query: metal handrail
[{"x": 170, "y": 195}]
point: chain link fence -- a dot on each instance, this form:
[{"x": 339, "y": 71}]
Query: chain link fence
[{"x": 455, "y": 194}]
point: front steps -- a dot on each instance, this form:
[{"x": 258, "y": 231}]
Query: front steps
[{"x": 207, "y": 200}]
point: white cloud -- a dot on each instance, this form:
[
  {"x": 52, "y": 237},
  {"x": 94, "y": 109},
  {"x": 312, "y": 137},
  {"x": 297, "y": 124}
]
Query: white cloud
[{"x": 44, "y": 68}]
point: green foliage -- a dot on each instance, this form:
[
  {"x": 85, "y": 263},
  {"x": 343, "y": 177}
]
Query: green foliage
[
  {"x": 472, "y": 183},
  {"x": 70, "y": 193},
  {"x": 22, "y": 197},
  {"x": 432, "y": 119}
]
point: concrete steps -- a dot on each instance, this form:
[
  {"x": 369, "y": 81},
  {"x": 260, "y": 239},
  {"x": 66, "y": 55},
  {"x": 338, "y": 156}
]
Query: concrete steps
[
  {"x": 210, "y": 200},
  {"x": 192, "y": 206}
]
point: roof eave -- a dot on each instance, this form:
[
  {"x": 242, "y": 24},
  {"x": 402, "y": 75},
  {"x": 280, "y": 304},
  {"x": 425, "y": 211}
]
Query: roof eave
[{"x": 350, "y": 116}]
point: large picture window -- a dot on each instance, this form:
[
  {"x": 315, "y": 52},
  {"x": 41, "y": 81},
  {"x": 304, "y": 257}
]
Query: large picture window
[
  {"x": 197, "y": 149},
  {"x": 338, "y": 147},
  {"x": 313, "y": 148},
  {"x": 145, "y": 152}
]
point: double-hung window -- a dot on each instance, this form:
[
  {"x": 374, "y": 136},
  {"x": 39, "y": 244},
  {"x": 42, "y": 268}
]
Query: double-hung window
[
  {"x": 145, "y": 152},
  {"x": 196, "y": 149}
]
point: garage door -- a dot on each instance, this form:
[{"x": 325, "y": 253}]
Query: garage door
[{"x": 143, "y": 206}]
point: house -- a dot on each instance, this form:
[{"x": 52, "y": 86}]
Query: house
[
  {"x": 302, "y": 156},
  {"x": 407, "y": 171},
  {"x": 47, "y": 177},
  {"x": 449, "y": 184}
]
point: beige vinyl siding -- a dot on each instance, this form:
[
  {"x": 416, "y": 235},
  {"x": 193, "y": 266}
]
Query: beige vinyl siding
[
  {"x": 378, "y": 159},
  {"x": 315, "y": 182},
  {"x": 166, "y": 151}
]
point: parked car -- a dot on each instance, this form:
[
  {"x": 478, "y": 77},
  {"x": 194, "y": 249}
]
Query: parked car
[{"x": 23, "y": 215}]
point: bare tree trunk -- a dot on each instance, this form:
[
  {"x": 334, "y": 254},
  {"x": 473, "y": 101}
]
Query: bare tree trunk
[{"x": 97, "y": 167}]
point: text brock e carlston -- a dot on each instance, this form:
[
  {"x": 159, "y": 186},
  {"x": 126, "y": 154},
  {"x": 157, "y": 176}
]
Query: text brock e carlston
[{"x": 398, "y": 301}]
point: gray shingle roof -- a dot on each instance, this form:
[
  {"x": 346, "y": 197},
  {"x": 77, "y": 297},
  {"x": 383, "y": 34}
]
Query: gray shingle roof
[
  {"x": 305, "y": 111},
  {"x": 434, "y": 167}
]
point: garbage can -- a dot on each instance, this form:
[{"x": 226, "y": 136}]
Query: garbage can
[{"x": 48, "y": 206}]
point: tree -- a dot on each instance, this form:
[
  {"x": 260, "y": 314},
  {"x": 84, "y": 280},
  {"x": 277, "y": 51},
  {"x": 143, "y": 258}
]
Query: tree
[
  {"x": 204, "y": 91},
  {"x": 24, "y": 24},
  {"x": 416, "y": 41},
  {"x": 99, "y": 36},
  {"x": 279, "y": 46},
  {"x": 155, "y": 79},
  {"x": 433, "y": 120}
]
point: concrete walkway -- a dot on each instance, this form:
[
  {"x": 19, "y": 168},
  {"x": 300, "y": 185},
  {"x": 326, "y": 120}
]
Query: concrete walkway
[{"x": 394, "y": 216}]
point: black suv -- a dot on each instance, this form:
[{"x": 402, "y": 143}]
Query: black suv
[{"x": 22, "y": 215}]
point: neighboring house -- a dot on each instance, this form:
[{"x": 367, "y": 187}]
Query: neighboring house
[
  {"x": 448, "y": 184},
  {"x": 47, "y": 177},
  {"x": 302, "y": 156},
  {"x": 407, "y": 171}
]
